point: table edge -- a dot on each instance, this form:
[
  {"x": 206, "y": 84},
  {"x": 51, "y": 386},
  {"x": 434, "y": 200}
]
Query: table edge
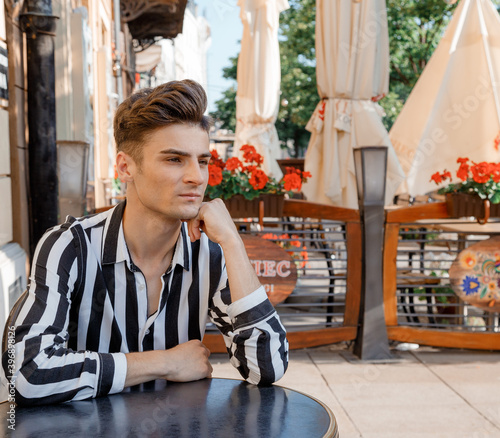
[{"x": 332, "y": 431}]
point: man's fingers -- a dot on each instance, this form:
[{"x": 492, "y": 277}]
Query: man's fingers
[{"x": 194, "y": 229}]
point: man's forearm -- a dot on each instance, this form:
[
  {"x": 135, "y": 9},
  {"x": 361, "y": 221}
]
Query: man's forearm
[
  {"x": 242, "y": 277},
  {"x": 183, "y": 363},
  {"x": 143, "y": 367}
]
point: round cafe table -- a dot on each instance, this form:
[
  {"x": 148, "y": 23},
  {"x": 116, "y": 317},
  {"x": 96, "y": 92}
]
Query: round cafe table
[{"x": 206, "y": 408}]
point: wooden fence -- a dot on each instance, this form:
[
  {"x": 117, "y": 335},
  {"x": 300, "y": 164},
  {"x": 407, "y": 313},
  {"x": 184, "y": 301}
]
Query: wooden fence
[
  {"x": 418, "y": 250},
  {"x": 416, "y": 294},
  {"x": 324, "y": 307}
]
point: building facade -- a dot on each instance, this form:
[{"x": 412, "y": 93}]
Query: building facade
[{"x": 94, "y": 69}]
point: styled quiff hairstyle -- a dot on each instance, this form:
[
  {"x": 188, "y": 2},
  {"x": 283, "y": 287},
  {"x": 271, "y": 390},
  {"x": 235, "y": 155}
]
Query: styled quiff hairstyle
[{"x": 142, "y": 113}]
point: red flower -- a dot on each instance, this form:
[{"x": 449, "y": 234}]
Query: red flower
[
  {"x": 306, "y": 175},
  {"x": 233, "y": 163},
  {"x": 463, "y": 171},
  {"x": 249, "y": 169},
  {"x": 495, "y": 172},
  {"x": 216, "y": 160},
  {"x": 462, "y": 160},
  {"x": 270, "y": 236},
  {"x": 446, "y": 175},
  {"x": 248, "y": 152},
  {"x": 481, "y": 172},
  {"x": 214, "y": 175},
  {"x": 292, "y": 182},
  {"x": 437, "y": 178},
  {"x": 259, "y": 179},
  {"x": 250, "y": 155}
]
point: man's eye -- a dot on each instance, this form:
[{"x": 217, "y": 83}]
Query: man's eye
[
  {"x": 204, "y": 162},
  {"x": 174, "y": 160}
]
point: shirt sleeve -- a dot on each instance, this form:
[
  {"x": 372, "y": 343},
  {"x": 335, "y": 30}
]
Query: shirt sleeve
[
  {"x": 46, "y": 370},
  {"x": 253, "y": 334}
]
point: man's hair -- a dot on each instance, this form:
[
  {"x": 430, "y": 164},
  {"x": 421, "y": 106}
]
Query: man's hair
[{"x": 142, "y": 113}]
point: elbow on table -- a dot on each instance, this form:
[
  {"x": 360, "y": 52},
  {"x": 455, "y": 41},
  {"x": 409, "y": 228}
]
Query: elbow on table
[
  {"x": 268, "y": 376},
  {"x": 29, "y": 394},
  {"x": 25, "y": 394}
]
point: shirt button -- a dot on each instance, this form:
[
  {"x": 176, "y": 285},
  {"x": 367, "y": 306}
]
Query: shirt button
[
  {"x": 147, "y": 331},
  {"x": 141, "y": 287}
]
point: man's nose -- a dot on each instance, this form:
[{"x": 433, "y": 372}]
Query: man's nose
[{"x": 194, "y": 174}]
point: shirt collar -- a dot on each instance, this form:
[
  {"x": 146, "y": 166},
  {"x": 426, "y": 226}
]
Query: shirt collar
[
  {"x": 182, "y": 249},
  {"x": 115, "y": 248}
]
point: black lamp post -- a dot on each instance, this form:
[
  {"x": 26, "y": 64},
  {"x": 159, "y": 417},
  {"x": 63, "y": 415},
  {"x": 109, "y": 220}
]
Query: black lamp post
[{"x": 371, "y": 170}]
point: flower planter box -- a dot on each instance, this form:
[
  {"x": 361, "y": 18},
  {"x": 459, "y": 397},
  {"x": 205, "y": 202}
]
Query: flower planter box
[
  {"x": 464, "y": 205},
  {"x": 263, "y": 206}
]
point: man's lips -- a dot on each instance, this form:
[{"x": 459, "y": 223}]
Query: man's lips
[{"x": 193, "y": 196}]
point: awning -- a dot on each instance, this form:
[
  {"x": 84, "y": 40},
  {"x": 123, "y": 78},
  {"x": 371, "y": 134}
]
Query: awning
[
  {"x": 150, "y": 19},
  {"x": 148, "y": 59}
]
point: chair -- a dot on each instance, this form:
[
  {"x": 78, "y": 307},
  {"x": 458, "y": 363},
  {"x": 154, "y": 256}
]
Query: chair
[{"x": 14, "y": 313}]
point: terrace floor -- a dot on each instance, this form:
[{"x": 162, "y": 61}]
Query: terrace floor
[{"x": 427, "y": 392}]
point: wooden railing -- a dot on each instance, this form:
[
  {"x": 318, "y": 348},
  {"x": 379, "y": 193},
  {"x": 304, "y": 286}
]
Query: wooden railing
[
  {"x": 317, "y": 227},
  {"x": 405, "y": 285}
]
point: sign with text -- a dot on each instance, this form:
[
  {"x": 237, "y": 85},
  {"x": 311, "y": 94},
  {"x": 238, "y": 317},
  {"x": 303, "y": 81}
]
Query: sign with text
[
  {"x": 4, "y": 74},
  {"x": 273, "y": 265}
]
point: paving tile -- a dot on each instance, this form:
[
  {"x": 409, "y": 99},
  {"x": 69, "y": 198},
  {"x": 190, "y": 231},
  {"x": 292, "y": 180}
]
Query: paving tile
[
  {"x": 492, "y": 413},
  {"x": 427, "y": 420},
  {"x": 478, "y": 382}
]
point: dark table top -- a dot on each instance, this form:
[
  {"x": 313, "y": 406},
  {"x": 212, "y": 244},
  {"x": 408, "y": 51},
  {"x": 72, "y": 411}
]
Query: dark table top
[{"x": 212, "y": 408}]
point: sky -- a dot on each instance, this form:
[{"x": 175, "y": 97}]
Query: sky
[{"x": 226, "y": 31}]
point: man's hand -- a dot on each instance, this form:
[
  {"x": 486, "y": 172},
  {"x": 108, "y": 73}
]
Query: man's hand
[
  {"x": 187, "y": 362},
  {"x": 183, "y": 363},
  {"x": 214, "y": 219}
]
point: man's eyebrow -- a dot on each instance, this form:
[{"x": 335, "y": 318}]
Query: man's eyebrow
[{"x": 183, "y": 153}]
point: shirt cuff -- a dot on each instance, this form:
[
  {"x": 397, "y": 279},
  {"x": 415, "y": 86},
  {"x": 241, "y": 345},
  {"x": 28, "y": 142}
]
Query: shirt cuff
[
  {"x": 250, "y": 309},
  {"x": 120, "y": 373}
]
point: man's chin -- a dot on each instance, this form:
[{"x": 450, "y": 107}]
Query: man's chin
[{"x": 188, "y": 214}]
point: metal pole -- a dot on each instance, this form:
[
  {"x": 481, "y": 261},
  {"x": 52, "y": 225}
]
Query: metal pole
[
  {"x": 117, "y": 67},
  {"x": 39, "y": 25}
]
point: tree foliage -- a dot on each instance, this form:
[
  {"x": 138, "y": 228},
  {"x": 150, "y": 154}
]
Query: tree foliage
[{"x": 298, "y": 74}]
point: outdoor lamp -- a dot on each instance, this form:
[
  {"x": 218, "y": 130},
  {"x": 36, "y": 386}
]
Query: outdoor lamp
[
  {"x": 371, "y": 170},
  {"x": 370, "y": 163}
]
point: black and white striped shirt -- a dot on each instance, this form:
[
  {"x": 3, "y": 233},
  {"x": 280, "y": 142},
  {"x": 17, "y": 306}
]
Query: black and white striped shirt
[{"x": 87, "y": 307}]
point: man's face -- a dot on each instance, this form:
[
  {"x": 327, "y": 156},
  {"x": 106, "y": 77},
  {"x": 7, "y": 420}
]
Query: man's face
[{"x": 173, "y": 175}]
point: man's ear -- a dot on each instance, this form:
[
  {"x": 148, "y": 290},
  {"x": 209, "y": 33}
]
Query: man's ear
[{"x": 125, "y": 166}]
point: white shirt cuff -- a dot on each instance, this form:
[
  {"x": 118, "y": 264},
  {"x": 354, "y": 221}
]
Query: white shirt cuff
[{"x": 120, "y": 372}]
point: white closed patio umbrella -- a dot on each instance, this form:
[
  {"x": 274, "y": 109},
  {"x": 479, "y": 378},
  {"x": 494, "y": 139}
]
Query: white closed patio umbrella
[
  {"x": 259, "y": 78},
  {"x": 453, "y": 111},
  {"x": 352, "y": 70}
]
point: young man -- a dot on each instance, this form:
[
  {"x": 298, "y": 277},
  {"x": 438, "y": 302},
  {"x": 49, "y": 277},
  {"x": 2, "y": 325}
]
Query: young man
[{"x": 122, "y": 297}]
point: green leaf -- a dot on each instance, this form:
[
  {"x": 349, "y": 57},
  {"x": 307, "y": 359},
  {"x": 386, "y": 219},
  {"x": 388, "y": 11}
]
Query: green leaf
[
  {"x": 483, "y": 292},
  {"x": 495, "y": 199}
]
